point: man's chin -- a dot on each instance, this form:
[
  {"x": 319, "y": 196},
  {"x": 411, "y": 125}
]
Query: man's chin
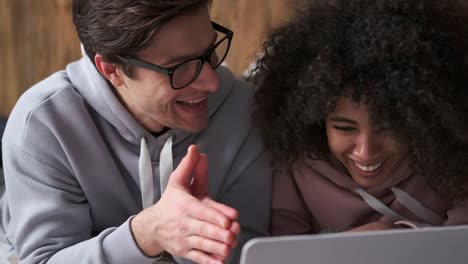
[{"x": 196, "y": 127}]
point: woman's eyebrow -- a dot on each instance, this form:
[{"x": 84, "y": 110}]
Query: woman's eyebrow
[{"x": 342, "y": 120}]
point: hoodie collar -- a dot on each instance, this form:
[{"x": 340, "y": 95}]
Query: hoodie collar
[
  {"x": 99, "y": 94},
  {"x": 332, "y": 169}
]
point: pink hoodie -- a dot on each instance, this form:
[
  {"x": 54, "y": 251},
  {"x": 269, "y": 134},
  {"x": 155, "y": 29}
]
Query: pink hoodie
[{"x": 318, "y": 196}]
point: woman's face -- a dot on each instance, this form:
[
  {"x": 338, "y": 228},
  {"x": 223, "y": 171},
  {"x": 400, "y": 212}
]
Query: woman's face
[{"x": 370, "y": 152}]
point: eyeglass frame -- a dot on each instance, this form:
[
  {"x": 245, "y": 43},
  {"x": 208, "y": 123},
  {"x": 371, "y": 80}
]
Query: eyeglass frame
[{"x": 169, "y": 71}]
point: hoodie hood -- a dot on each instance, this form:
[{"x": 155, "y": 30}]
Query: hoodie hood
[
  {"x": 334, "y": 171},
  {"x": 99, "y": 94}
]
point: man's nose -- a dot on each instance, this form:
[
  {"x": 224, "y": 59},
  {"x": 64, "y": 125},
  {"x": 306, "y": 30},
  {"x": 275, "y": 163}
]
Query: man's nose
[{"x": 207, "y": 80}]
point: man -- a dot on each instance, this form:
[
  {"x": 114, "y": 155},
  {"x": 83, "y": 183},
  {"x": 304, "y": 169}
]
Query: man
[{"x": 90, "y": 151}]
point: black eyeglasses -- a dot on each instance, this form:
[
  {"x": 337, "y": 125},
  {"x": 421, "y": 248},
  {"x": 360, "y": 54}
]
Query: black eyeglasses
[{"x": 184, "y": 73}]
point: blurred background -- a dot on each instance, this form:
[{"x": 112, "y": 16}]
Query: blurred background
[{"x": 37, "y": 38}]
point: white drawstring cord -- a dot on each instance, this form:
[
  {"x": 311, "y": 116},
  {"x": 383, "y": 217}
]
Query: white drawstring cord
[
  {"x": 145, "y": 170},
  {"x": 379, "y": 206},
  {"x": 165, "y": 164},
  {"x": 417, "y": 208},
  {"x": 407, "y": 201},
  {"x": 146, "y": 175}
]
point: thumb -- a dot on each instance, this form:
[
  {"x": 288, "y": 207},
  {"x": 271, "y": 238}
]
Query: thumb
[
  {"x": 182, "y": 175},
  {"x": 200, "y": 178}
]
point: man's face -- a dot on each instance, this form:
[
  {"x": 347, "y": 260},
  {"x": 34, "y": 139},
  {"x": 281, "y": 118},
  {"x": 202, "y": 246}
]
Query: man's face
[{"x": 148, "y": 95}]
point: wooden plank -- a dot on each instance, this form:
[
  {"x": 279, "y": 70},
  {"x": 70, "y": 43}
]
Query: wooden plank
[
  {"x": 250, "y": 21},
  {"x": 7, "y": 61},
  {"x": 38, "y": 38}
]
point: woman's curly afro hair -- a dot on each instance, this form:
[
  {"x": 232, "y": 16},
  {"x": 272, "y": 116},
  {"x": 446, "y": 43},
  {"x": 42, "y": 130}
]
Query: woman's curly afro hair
[{"x": 405, "y": 59}]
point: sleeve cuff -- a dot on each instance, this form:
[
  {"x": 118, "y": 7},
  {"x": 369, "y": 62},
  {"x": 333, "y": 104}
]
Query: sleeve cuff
[{"x": 119, "y": 247}]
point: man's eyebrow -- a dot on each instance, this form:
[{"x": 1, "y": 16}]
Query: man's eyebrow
[
  {"x": 176, "y": 60},
  {"x": 342, "y": 120}
]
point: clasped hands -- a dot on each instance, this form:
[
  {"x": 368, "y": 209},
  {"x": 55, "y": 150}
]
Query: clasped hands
[{"x": 186, "y": 222}]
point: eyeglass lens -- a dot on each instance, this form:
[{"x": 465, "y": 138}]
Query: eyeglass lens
[{"x": 185, "y": 73}]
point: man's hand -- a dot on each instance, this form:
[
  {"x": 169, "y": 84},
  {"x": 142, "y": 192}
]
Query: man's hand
[{"x": 185, "y": 221}]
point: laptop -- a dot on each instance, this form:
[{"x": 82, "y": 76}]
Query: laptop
[{"x": 433, "y": 245}]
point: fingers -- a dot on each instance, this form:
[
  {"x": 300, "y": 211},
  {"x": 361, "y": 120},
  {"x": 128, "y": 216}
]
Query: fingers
[
  {"x": 373, "y": 226},
  {"x": 207, "y": 213},
  {"x": 229, "y": 212},
  {"x": 203, "y": 242},
  {"x": 214, "y": 248},
  {"x": 235, "y": 229},
  {"x": 200, "y": 188},
  {"x": 226, "y": 210},
  {"x": 214, "y": 232},
  {"x": 200, "y": 178},
  {"x": 182, "y": 175},
  {"x": 196, "y": 227},
  {"x": 202, "y": 258}
]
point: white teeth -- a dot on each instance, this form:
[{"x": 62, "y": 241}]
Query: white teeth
[
  {"x": 195, "y": 101},
  {"x": 368, "y": 168}
]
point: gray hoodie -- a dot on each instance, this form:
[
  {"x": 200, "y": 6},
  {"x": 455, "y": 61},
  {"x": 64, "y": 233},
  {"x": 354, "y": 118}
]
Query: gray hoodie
[{"x": 71, "y": 163}]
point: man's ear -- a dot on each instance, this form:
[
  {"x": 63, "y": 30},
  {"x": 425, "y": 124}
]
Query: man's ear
[{"x": 109, "y": 70}]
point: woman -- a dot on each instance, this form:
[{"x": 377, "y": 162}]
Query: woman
[{"x": 363, "y": 105}]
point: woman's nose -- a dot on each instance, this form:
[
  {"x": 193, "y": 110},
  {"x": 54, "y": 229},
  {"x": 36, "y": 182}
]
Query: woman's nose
[{"x": 367, "y": 147}]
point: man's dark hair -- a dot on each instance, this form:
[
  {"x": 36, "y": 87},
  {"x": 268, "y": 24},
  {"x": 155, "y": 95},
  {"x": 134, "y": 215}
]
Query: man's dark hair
[
  {"x": 124, "y": 27},
  {"x": 405, "y": 59}
]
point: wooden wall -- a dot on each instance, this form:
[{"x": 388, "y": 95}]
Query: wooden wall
[
  {"x": 250, "y": 20},
  {"x": 38, "y": 38}
]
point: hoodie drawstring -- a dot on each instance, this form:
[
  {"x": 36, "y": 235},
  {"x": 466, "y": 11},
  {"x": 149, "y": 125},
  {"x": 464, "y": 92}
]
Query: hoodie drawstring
[
  {"x": 418, "y": 209},
  {"x": 379, "y": 206},
  {"x": 145, "y": 170},
  {"x": 165, "y": 164},
  {"x": 413, "y": 205}
]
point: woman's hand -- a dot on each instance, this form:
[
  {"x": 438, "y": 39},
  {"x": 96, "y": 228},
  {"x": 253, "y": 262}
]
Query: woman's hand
[{"x": 374, "y": 226}]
